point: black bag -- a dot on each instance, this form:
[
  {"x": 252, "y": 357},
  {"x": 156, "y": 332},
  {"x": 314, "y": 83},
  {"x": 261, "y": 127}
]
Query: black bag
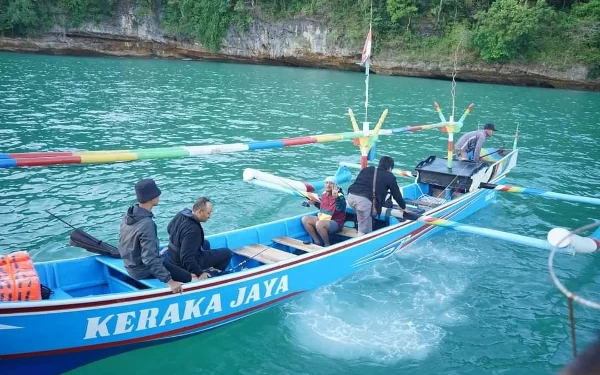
[{"x": 46, "y": 292}]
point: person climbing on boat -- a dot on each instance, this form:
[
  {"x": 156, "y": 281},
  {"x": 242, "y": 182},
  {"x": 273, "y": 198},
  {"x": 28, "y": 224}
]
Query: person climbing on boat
[
  {"x": 367, "y": 194},
  {"x": 187, "y": 247},
  {"x": 469, "y": 145},
  {"x": 331, "y": 216},
  {"x": 138, "y": 238}
]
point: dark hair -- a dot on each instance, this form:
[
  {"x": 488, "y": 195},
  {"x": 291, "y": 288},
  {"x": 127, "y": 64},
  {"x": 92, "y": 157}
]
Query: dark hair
[
  {"x": 386, "y": 163},
  {"x": 200, "y": 204}
]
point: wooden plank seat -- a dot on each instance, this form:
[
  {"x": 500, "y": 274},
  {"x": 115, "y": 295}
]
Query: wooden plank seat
[
  {"x": 264, "y": 254},
  {"x": 348, "y": 232},
  {"x": 117, "y": 264},
  {"x": 296, "y": 244}
]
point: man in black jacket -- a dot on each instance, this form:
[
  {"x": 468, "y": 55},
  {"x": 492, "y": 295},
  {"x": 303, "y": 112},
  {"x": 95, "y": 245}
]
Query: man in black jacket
[
  {"x": 187, "y": 247},
  {"x": 360, "y": 193}
]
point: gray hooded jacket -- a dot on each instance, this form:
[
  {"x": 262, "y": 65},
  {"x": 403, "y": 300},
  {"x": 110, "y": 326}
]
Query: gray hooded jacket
[
  {"x": 471, "y": 141},
  {"x": 138, "y": 245}
]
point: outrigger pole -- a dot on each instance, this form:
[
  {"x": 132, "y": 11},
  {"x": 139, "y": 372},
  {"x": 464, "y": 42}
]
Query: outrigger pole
[
  {"x": 33, "y": 159},
  {"x": 541, "y": 193}
]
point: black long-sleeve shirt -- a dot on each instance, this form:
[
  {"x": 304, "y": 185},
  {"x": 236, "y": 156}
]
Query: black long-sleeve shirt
[{"x": 386, "y": 181}]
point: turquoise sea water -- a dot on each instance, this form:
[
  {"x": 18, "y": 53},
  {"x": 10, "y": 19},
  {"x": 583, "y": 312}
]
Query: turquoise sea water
[{"x": 455, "y": 304}]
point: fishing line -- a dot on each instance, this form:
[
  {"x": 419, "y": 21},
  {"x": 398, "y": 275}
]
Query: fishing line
[
  {"x": 246, "y": 260},
  {"x": 304, "y": 194},
  {"x": 58, "y": 218}
]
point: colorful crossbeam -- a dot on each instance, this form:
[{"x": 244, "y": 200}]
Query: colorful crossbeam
[
  {"x": 541, "y": 193},
  {"x": 369, "y": 137},
  {"x": 518, "y": 239}
]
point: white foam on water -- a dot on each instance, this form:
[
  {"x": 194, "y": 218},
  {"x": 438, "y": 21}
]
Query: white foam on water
[{"x": 395, "y": 310}]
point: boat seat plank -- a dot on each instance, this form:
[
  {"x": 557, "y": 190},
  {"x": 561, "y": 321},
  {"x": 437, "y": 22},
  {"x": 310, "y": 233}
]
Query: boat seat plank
[
  {"x": 348, "y": 232},
  {"x": 264, "y": 254},
  {"x": 297, "y": 244},
  {"x": 117, "y": 264}
]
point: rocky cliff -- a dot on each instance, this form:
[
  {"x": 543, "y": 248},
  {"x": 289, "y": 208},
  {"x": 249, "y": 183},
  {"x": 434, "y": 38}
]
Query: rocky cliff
[{"x": 296, "y": 42}]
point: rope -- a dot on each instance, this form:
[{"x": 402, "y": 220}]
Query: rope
[
  {"x": 451, "y": 182},
  {"x": 572, "y": 320}
]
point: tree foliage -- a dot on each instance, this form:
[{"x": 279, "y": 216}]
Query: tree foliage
[
  {"x": 510, "y": 28},
  {"x": 205, "y": 20},
  {"x": 550, "y": 31}
]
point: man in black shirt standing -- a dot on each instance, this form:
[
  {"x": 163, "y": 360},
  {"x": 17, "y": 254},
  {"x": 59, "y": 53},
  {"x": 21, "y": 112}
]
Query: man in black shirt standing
[{"x": 361, "y": 193}]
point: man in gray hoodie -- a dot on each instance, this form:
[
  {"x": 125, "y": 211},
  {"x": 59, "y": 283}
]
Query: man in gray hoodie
[
  {"x": 138, "y": 238},
  {"x": 469, "y": 145}
]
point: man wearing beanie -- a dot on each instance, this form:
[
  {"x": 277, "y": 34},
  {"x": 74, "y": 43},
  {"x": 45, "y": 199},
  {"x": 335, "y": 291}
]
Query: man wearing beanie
[{"x": 138, "y": 238}]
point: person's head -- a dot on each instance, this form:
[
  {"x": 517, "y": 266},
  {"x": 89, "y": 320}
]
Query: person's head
[
  {"x": 386, "y": 163},
  {"x": 147, "y": 193},
  {"x": 330, "y": 185},
  {"x": 489, "y": 129},
  {"x": 202, "y": 209}
]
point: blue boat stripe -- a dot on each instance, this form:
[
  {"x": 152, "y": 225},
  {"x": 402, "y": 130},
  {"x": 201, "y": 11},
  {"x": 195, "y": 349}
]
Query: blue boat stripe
[
  {"x": 8, "y": 163},
  {"x": 264, "y": 145},
  {"x": 4, "y": 156}
]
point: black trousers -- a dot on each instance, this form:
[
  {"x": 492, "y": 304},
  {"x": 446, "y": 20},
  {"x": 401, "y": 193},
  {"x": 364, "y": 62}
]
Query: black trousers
[{"x": 216, "y": 258}]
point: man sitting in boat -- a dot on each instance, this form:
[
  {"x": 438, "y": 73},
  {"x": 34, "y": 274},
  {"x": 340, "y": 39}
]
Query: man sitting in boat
[
  {"x": 366, "y": 200},
  {"x": 187, "y": 247},
  {"x": 138, "y": 238},
  {"x": 469, "y": 145},
  {"x": 331, "y": 216}
]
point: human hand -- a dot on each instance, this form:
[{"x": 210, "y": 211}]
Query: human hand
[
  {"x": 176, "y": 286},
  {"x": 205, "y": 275}
]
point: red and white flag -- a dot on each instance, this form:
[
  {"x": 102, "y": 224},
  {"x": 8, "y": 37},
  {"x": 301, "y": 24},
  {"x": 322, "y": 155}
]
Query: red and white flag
[{"x": 366, "y": 53}]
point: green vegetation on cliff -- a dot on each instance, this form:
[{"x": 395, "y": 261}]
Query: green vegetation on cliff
[{"x": 557, "y": 33}]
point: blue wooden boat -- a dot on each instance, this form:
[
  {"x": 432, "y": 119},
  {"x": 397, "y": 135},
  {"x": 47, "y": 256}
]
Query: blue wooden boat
[{"x": 97, "y": 310}]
